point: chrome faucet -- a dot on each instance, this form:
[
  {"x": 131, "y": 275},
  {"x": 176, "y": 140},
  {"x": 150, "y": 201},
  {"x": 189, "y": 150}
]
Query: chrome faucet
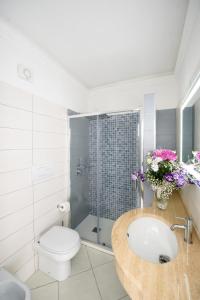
[{"x": 187, "y": 228}]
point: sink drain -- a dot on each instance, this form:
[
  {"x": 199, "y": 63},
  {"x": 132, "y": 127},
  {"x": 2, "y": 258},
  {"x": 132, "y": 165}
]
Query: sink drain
[{"x": 163, "y": 259}]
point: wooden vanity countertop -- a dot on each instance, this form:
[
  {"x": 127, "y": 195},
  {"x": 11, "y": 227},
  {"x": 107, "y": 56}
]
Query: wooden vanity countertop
[{"x": 177, "y": 280}]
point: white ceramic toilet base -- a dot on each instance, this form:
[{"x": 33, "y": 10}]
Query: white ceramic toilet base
[{"x": 57, "y": 270}]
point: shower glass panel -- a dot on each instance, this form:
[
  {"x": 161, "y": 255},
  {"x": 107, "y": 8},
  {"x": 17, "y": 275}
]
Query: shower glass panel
[{"x": 104, "y": 151}]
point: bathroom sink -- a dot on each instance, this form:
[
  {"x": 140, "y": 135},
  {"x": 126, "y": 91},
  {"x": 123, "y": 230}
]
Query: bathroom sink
[{"x": 152, "y": 240}]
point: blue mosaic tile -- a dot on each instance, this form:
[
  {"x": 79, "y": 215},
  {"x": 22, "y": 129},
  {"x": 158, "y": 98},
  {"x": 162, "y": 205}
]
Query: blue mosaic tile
[{"x": 113, "y": 155}]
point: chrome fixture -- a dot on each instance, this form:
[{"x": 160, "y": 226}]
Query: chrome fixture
[
  {"x": 82, "y": 166},
  {"x": 187, "y": 228}
]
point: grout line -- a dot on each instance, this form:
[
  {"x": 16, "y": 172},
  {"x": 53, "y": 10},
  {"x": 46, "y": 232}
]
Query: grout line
[
  {"x": 15, "y": 107},
  {"x": 10, "y": 149},
  {"x": 8, "y": 236},
  {"x": 33, "y": 194},
  {"x": 51, "y": 178},
  {"x": 46, "y": 284},
  {"x": 18, "y": 250},
  {"x": 27, "y": 261},
  {"x": 58, "y": 286},
  {"x": 76, "y": 274},
  {"x": 123, "y": 297},
  {"x": 93, "y": 274},
  {"x": 16, "y": 170},
  {"x": 15, "y": 211},
  {"x": 50, "y": 195},
  {"x": 48, "y": 116},
  {"x": 48, "y": 132},
  {"x": 15, "y": 128},
  {"x": 24, "y": 188},
  {"x": 32, "y": 111},
  {"x": 106, "y": 263}
]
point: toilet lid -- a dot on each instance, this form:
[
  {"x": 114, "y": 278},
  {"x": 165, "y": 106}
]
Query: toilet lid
[{"x": 59, "y": 239}]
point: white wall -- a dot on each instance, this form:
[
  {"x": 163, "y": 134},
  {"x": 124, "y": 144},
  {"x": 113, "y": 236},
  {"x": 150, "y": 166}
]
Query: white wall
[
  {"x": 188, "y": 66},
  {"x": 33, "y": 134},
  {"x": 188, "y": 62},
  {"x": 50, "y": 80},
  {"x": 130, "y": 94}
]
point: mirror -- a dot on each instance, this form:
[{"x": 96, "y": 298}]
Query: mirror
[
  {"x": 191, "y": 131},
  {"x": 190, "y": 123}
]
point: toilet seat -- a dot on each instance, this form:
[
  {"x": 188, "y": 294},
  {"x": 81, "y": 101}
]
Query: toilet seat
[{"x": 60, "y": 240}]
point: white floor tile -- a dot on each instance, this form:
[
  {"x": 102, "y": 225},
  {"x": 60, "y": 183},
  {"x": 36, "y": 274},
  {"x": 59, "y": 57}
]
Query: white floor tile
[
  {"x": 108, "y": 282},
  {"x": 79, "y": 287},
  {"x": 101, "y": 283},
  {"x": 98, "y": 258},
  {"x": 47, "y": 292},
  {"x": 39, "y": 279},
  {"x": 80, "y": 262}
]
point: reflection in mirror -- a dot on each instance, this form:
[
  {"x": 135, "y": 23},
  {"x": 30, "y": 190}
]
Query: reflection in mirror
[{"x": 191, "y": 132}]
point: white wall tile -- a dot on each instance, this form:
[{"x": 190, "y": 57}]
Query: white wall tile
[
  {"x": 11, "y": 160},
  {"x": 16, "y": 221},
  {"x": 21, "y": 257},
  {"x": 15, "y": 242},
  {"x": 49, "y": 187},
  {"x": 49, "y": 203},
  {"x": 26, "y": 270},
  {"x": 45, "y": 107},
  {"x": 48, "y": 124},
  {"x": 16, "y": 180},
  {"x": 43, "y": 156},
  {"x": 15, "y": 118},
  {"x": 15, "y": 97},
  {"x": 15, "y": 201},
  {"x": 43, "y": 223},
  {"x": 21, "y": 148},
  {"x": 49, "y": 140},
  {"x": 15, "y": 139}
]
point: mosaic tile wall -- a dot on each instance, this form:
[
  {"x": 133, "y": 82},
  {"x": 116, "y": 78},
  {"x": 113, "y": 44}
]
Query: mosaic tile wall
[{"x": 118, "y": 155}]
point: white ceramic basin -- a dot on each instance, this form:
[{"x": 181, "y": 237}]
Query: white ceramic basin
[{"x": 152, "y": 240}]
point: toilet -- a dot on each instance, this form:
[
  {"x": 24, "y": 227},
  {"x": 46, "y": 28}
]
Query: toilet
[{"x": 56, "y": 248}]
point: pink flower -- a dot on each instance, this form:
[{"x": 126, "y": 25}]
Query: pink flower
[
  {"x": 197, "y": 156},
  {"x": 165, "y": 154}
]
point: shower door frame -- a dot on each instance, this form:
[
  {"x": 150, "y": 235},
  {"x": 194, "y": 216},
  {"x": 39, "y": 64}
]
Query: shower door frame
[{"x": 140, "y": 137}]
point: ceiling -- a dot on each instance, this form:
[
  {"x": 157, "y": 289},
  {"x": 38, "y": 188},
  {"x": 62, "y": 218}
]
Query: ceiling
[{"x": 103, "y": 41}]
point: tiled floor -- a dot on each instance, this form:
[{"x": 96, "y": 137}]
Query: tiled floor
[{"x": 93, "y": 278}]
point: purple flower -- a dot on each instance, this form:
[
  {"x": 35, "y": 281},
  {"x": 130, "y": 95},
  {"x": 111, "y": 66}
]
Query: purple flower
[
  {"x": 179, "y": 178},
  {"x": 134, "y": 177},
  {"x": 180, "y": 181},
  {"x": 142, "y": 178},
  {"x": 169, "y": 177},
  {"x": 197, "y": 182},
  {"x": 138, "y": 175}
]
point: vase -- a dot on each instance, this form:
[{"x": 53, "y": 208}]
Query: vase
[{"x": 162, "y": 199}]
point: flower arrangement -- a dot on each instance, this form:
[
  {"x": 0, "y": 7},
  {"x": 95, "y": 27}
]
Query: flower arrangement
[
  {"x": 196, "y": 156},
  {"x": 164, "y": 173},
  {"x": 196, "y": 160}
]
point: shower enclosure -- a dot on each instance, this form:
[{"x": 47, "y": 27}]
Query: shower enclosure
[{"x": 104, "y": 150}]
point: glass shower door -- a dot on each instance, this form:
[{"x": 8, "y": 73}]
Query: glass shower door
[{"x": 104, "y": 151}]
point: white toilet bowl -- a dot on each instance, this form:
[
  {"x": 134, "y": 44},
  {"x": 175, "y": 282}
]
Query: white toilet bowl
[{"x": 55, "y": 249}]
